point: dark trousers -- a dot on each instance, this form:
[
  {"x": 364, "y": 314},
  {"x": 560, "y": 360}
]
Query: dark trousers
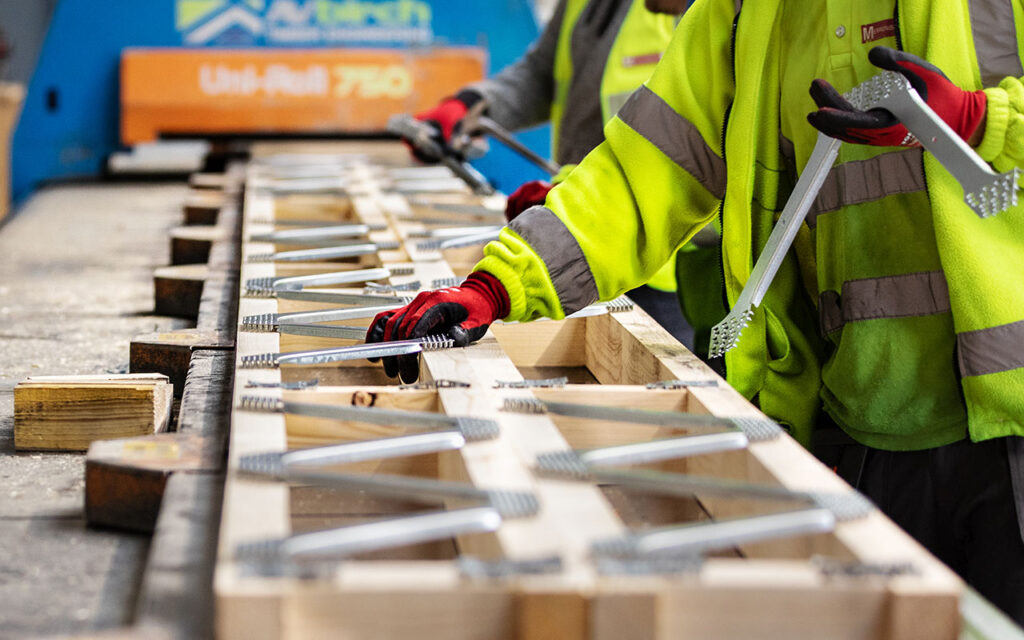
[
  {"x": 961, "y": 501},
  {"x": 663, "y": 306}
]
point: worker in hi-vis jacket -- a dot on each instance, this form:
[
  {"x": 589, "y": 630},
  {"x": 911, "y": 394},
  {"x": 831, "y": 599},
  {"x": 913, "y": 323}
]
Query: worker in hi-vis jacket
[
  {"x": 590, "y": 58},
  {"x": 892, "y": 338}
]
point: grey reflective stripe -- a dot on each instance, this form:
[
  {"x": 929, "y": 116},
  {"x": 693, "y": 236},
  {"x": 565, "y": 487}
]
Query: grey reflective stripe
[
  {"x": 995, "y": 40},
  {"x": 868, "y": 180},
  {"x": 675, "y": 136},
  {"x": 992, "y": 350},
  {"x": 912, "y": 294},
  {"x": 567, "y": 266},
  {"x": 617, "y": 100}
]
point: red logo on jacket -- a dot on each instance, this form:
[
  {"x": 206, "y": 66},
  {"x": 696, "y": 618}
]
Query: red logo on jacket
[{"x": 877, "y": 30}]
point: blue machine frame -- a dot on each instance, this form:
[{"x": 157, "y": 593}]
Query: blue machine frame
[{"x": 69, "y": 124}]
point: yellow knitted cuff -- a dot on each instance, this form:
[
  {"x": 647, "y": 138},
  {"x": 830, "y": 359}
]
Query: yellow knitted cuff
[{"x": 997, "y": 119}]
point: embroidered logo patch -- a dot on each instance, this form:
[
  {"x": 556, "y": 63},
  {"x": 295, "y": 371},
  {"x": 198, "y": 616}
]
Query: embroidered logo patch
[
  {"x": 877, "y": 30},
  {"x": 636, "y": 61}
]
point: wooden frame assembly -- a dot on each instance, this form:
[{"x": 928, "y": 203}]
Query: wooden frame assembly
[{"x": 828, "y": 585}]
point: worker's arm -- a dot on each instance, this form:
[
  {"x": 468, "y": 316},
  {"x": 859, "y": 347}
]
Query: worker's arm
[
  {"x": 1003, "y": 140},
  {"x": 520, "y": 95},
  {"x": 655, "y": 181}
]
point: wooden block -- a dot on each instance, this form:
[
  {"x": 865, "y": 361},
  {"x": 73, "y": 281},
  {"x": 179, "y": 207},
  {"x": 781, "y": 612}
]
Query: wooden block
[
  {"x": 125, "y": 478},
  {"x": 68, "y": 413},
  {"x": 177, "y": 290},
  {"x": 202, "y": 207},
  {"x": 170, "y": 353},
  {"x": 191, "y": 244}
]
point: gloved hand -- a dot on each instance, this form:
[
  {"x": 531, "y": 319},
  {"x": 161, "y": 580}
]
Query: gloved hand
[
  {"x": 445, "y": 118},
  {"x": 963, "y": 111},
  {"x": 527, "y": 195},
  {"x": 463, "y": 313}
]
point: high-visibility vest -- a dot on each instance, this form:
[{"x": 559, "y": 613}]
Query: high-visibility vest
[{"x": 913, "y": 336}]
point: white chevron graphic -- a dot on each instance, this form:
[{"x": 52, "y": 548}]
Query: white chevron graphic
[{"x": 235, "y": 16}]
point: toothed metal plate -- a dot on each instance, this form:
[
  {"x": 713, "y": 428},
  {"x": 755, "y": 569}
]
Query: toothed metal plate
[
  {"x": 264, "y": 464},
  {"x": 619, "y": 305},
  {"x": 726, "y": 334},
  {"x": 474, "y": 429},
  {"x": 374, "y": 287},
  {"x": 758, "y": 429},
  {"x": 850, "y": 505},
  {"x": 670, "y": 565},
  {"x": 260, "y": 287},
  {"x": 262, "y": 323},
  {"x": 514, "y": 504},
  {"x": 298, "y": 385},
  {"x": 547, "y": 383},
  {"x": 673, "y": 385},
  {"x": 260, "y": 404},
  {"x": 479, "y": 569},
  {"x": 523, "y": 405},
  {"x": 833, "y": 568},
  {"x": 444, "y": 283},
  {"x": 260, "y": 361},
  {"x": 562, "y": 463}
]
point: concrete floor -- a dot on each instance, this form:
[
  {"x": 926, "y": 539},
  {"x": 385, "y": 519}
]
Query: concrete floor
[{"x": 75, "y": 286}]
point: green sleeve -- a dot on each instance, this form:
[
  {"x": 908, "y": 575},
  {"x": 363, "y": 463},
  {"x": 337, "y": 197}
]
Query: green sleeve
[{"x": 1003, "y": 143}]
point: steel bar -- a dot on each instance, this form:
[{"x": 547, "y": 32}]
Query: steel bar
[
  {"x": 726, "y": 334},
  {"x": 325, "y": 253},
  {"x": 342, "y": 354},
  {"x": 985, "y": 191},
  {"x": 321, "y": 233},
  {"x": 277, "y": 463}
]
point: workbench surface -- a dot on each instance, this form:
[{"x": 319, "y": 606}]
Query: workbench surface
[{"x": 76, "y": 273}]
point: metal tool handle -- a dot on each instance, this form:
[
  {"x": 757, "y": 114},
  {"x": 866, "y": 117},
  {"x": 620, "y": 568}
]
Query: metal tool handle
[
  {"x": 985, "y": 191},
  {"x": 725, "y": 335},
  {"x": 421, "y": 135},
  {"x": 505, "y": 137}
]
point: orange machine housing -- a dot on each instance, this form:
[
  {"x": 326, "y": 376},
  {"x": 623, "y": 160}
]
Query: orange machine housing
[{"x": 284, "y": 91}]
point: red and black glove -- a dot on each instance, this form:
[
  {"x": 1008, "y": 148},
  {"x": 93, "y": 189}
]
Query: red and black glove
[
  {"x": 527, "y": 195},
  {"x": 463, "y": 313},
  {"x": 445, "y": 118},
  {"x": 963, "y": 111}
]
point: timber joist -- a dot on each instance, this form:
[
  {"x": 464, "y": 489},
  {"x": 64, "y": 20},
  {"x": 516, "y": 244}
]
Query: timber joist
[{"x": 492, "y": 541}]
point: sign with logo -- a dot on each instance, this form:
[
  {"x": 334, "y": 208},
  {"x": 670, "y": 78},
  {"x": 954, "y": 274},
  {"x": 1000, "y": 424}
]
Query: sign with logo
[
  {"x": 204, "y": 91},
  {"x": 304, "y": 22}
]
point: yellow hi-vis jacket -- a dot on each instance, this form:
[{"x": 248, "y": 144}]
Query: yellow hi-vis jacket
[{"x": 898, "y": 310}]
